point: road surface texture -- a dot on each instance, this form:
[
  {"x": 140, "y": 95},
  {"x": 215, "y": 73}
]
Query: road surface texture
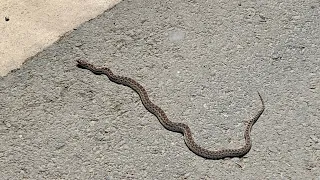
[
  {"x": 202, "y": 62},
  {"x": 28, "y": 27}
]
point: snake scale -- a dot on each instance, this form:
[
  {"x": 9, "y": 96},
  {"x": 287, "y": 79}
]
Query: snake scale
[{"x": 174, "y": 126}]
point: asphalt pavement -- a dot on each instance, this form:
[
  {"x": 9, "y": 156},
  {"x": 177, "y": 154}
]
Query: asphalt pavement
[{"x": 202, "y": 62}]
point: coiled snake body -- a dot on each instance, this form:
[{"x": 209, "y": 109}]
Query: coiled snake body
[{"x": 173, "y": 126}]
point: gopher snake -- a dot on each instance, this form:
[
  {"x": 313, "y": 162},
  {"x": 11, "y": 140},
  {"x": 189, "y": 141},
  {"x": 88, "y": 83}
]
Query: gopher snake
[{"x": 173, "y": 126}]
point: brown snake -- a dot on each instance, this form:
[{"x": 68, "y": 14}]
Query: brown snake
[{"x": 173, "y": 126}]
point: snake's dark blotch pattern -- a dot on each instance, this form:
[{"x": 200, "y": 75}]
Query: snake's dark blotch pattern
[{"x": 173, "y": 126}]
